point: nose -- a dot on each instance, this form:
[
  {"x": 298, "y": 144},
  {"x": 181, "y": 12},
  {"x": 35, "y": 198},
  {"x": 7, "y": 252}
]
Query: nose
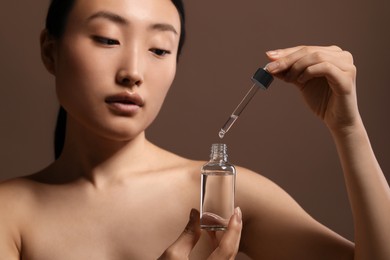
[
  {"x": 130, "y": 72},
  {"x": 128, "y": 78}
]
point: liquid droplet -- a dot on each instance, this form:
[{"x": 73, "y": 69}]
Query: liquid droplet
[{"x": 221, "y": 133}]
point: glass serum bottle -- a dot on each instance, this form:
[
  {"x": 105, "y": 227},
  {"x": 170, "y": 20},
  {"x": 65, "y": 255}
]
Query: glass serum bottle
[{"x": 218, "y": 180}]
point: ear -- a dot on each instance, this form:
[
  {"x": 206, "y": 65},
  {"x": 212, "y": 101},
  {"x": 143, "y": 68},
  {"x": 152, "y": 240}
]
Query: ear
[{"x": 48, "y": 46}]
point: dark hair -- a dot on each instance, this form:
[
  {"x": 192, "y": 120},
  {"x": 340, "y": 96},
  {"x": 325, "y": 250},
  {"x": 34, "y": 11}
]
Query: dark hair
[{"x": 55, "y": 25}]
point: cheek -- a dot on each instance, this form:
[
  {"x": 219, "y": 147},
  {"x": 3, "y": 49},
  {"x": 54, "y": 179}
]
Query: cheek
[
  {"x": 160, "y": 84},
  {"x": 76, "y": 62},
  {"x": 79, "y": 71},
  {"x": 163, "y": 82}
]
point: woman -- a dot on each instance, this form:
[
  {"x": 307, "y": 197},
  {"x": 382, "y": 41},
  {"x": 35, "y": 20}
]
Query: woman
[{"x": 111, "y": 194}]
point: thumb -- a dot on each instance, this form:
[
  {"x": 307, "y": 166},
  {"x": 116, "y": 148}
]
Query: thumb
[{"x": 182, "y": 247}]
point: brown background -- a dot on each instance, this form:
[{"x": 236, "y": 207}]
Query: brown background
[{"x": 276, "y": 135}]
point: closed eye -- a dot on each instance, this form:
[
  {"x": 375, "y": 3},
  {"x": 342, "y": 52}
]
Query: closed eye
[
  {"x": 160, "y": 52},
  {"x": 105, "y": 40}
]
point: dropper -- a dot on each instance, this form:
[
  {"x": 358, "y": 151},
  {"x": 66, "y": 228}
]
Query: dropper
[{"x": 261, "y": 79}]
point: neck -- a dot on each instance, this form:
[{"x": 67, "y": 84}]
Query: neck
[{"x": 99, "y": 159}]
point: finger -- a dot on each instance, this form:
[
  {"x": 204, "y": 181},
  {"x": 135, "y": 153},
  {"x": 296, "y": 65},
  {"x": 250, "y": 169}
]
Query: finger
[
  {"x": 284, "y": 59},
  {"x": 340, "y": 81},
  {"x": 182, "y": 247},
  {"x": 213, "y": 237},
  {"x": 230, "y": 242},
  {"x": 279, "y": 53},
  {"x": 343, "y": 60}
]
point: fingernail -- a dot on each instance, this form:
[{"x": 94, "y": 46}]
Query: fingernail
[
  {"x": 193, "y": 214},
  {"x": 272, "y": 53},
  {"x": 238, "y": 213},
  {"x": 192, "y": 220},
  {"x": 190, "y": 228},
  {"x": 272, "y": 66}
]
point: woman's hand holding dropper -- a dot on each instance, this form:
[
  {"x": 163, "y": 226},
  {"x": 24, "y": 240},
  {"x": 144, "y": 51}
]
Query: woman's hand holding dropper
[{"x": 326, "y": 77}]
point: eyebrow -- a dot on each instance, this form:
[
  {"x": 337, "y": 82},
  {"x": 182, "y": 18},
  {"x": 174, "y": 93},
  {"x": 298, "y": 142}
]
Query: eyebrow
[
  {"x": 163, "y": 27},
  {"x": 110, "y": 16},
  {"x": 115, "y": 18}
]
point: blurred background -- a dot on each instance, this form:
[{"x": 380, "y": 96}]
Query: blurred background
[{"x": 276, "y": 135}]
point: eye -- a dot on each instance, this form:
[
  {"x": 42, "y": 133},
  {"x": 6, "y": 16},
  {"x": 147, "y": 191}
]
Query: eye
[
  {"x": 105, "y": 41},
  {"x": 160, "y": 52}
]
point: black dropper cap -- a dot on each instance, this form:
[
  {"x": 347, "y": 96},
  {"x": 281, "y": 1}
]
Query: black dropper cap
[{"x": 262, "y": 78}]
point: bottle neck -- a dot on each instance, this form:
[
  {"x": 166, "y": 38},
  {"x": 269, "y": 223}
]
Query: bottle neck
[{"x": 218, "y": 152}]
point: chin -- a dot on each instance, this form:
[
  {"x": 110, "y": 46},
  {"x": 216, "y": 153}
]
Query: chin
[{"x": 126, "y": 136}]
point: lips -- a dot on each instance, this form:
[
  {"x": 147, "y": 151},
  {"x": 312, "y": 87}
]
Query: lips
[{"x": 126, "y": 103}]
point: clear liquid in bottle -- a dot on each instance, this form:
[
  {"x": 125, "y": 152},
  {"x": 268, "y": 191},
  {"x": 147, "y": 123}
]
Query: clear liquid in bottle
[{"x": 218, "y": 178}]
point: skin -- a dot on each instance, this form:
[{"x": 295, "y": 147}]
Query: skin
[{"x": 114, "y": 195}]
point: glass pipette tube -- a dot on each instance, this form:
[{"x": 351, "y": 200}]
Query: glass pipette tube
[
  {"x": 262, "y": 79},
  {"x": 236, "y": 113}
]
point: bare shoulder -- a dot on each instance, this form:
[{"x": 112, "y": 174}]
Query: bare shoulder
[
  {"x": 18, "y": 190},
  {"x": 17, "y": 197},
  {"x": 274, "y": 220},
  {"x": 16, "y": 200},
  {"x": 254, "y": 186}
]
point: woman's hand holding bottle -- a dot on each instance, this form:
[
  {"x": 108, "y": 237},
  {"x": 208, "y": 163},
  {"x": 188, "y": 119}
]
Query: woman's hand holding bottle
[{"x": 226, "y": 247}]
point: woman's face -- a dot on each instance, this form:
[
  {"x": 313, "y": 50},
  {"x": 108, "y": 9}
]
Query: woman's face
[{"x": 115, "y": 63}]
